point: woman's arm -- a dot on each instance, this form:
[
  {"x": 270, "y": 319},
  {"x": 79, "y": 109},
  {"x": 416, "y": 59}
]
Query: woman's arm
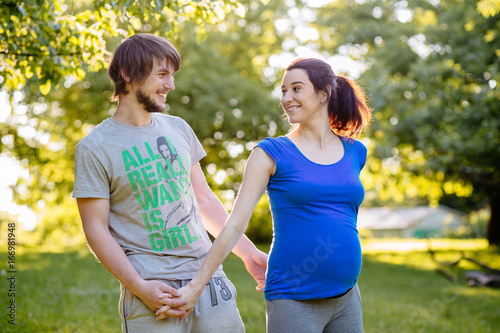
[{"x": 258, "y": 170}]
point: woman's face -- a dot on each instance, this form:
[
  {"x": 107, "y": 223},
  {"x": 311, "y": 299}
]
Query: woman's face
[
  {"x": 298, "y": 97},
  {"x": 165, "y": 151}
]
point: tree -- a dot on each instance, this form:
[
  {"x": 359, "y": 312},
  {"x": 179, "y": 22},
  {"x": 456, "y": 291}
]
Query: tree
[
  {"x": 219, "y": 91},
  {"x": 432, "y": 76},
  {"x": 54, "y": 39}
]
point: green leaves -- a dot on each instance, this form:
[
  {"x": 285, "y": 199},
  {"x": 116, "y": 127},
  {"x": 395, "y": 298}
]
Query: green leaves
[
  {"x": 488, "y": 8},
  {"x": 45, "y": 88},
  {"x": 433, "y": 82},
  {"x": 40, "y": 38},
  {"x": 54, "y": 39},
  {"x": 219, "y": 91}
]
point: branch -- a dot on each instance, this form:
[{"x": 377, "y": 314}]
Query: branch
[{"x": 39, "y": 53}]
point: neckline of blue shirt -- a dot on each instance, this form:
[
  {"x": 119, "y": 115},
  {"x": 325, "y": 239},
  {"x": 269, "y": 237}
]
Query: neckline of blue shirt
[{"x": 324, "y": 165}]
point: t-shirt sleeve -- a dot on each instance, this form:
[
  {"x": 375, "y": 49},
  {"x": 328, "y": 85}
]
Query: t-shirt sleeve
[
  {"x": 270, "y": 146},
  {"x": 91, "y": 180},
  {"x": 197, "y": 151}
]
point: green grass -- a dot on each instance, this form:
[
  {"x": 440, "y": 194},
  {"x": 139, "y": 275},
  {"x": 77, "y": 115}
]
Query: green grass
[{"x": 401, "y": 292}]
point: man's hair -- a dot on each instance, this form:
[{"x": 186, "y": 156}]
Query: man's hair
[{"x": 134, "y": 59}]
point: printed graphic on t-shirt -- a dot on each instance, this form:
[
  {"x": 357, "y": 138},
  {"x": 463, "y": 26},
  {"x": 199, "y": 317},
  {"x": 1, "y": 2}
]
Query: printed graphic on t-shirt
[{"x": 159, "y": 177}]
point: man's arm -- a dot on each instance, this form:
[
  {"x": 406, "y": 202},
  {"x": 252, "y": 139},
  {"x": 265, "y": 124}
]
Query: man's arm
[{"x": 95, "y": 214}]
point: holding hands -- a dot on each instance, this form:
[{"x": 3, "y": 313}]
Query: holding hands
[
  {"x": 188, "y": 295},
  {"x": 180, "y": 303},
  {"x": 169, "y": 301}
]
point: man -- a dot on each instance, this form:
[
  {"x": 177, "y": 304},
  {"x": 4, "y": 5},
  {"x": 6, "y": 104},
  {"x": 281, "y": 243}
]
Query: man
[{"x": 144, "y": 219}]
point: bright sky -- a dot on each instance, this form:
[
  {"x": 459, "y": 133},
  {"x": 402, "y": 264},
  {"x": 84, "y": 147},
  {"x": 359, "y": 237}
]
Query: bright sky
[
  {"x": 10, "y": 171},
  {"x": 317, "y": 3},
  {"x": 299, "y": 20}
]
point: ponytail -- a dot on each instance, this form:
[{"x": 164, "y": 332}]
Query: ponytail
[{"x": 347, "y": 108}]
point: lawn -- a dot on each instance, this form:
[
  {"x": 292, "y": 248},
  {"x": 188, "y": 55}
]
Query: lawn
[{"x": 401, "y": 292}]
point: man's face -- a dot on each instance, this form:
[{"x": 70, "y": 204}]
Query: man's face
[{"x": 152, "y": 94}]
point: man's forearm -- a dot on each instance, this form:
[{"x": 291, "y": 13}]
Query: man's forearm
[
  {"x": 244, "y": 247},
  {"x": 112, "y": 257},
  {"x": 214, "y": 215}
]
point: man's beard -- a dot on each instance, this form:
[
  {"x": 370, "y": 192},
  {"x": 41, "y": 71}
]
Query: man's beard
[{"x": 149, "y": 104}]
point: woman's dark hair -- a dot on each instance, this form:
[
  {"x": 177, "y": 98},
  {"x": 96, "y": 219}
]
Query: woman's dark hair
[
  {"x": 347, "y": 108},
  {"x": 134, "y": 56},
  {"x": 162, "y": 141}
]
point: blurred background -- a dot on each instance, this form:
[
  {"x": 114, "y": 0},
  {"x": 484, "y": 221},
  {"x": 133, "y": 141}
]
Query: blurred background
[{"x": 430, "y": 68}]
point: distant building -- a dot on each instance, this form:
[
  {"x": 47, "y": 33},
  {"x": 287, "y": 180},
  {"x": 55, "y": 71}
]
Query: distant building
[{"x": 410, "y": 222}]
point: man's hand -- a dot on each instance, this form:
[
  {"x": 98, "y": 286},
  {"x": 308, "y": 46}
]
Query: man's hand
[
  {"x": 256, "y": 265},
  {"x": 157, "y": 295}
]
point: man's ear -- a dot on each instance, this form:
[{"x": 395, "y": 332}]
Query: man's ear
[{"x": 125, "y": 76}]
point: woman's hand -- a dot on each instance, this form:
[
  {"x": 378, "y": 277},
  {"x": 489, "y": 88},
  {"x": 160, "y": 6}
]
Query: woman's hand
[{"x": 189, "y": 297}]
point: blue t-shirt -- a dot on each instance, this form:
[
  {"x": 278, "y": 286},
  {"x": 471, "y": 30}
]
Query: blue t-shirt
[{"x": 315, "y": 251}]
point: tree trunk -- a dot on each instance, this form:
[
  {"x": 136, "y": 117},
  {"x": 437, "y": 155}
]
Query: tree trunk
[{"x": 493, "y": 234}]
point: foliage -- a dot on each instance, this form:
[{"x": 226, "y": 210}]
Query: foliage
[
  {"x": 39, "y": 39},
  {"x": 54, "y": 39},
  {"x": 431, "y": 71},
  {"x": 260, "y": 228},
  {"x": 219, "y": 92},
  {"x": 432, "y": 76}
]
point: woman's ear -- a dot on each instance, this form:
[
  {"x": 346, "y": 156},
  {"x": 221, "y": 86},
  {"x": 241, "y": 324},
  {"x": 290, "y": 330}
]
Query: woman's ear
[{"x": 323, "y": 95}]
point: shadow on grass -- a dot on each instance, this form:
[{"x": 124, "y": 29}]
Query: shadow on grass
[{"x": 404, "y": 298}]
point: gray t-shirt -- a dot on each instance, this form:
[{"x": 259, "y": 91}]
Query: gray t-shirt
[{"x": 145, "y": 174}]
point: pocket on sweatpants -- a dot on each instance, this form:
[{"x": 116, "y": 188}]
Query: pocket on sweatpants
[
  {"x": 127, "y": 303},
  {"x": 233, "y": 289}
]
